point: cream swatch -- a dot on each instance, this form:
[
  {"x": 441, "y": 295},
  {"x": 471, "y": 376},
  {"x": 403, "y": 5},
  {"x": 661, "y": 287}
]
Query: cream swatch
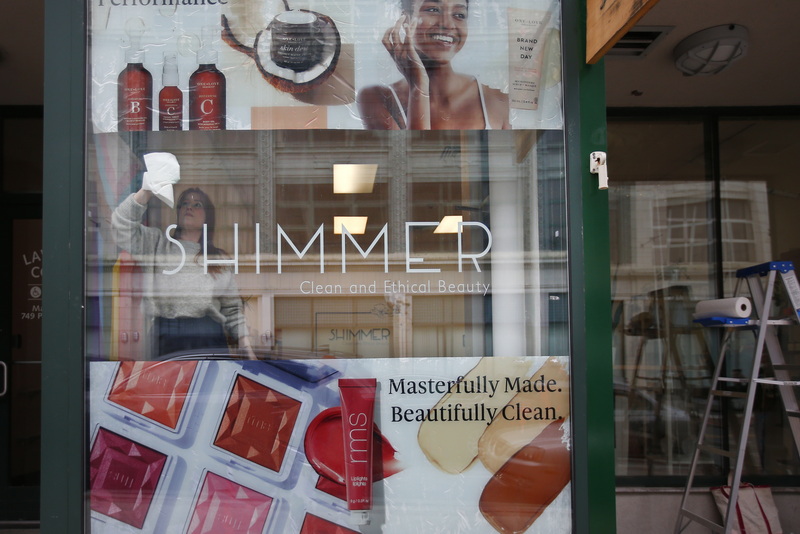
[
  {"x": 452, "y": 445},
  {"x": 506, "y": 436}
]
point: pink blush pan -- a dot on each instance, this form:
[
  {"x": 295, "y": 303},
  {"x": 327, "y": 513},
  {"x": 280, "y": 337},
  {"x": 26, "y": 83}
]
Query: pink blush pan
[
  {"x": 316, "y": 525},
  {"x": 123, "y": 476},
  {"x": 225, "y": 506}
]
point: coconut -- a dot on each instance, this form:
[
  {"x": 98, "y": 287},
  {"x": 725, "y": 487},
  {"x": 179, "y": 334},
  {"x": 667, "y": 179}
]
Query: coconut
[{"x": 295, "y": 53}]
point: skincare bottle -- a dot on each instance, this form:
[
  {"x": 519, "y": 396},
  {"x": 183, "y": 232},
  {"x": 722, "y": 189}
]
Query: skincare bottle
[
  {"x": 207, "y": 90},
  {"x": 135, "y": 92},
  {"x": 170, "y": 98}
]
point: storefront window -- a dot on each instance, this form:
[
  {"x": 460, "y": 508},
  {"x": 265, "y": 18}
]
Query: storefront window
[
  {"x": 675, "y": 242},
  {"x": 257, "y": 273},
  {"x": 756, "y": 161},
  {"x": 662, "y": 263}
]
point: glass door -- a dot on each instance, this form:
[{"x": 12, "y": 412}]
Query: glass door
[
  {"x": 20, "y": 315},
  {"x": 20, "y": 383}
]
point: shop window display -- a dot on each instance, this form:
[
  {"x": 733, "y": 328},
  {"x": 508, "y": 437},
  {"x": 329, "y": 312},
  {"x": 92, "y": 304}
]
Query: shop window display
[{"x": 290, "y": 262}]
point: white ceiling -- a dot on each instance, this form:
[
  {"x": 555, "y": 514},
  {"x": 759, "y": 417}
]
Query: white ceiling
[{"x": 767, "y": 76}]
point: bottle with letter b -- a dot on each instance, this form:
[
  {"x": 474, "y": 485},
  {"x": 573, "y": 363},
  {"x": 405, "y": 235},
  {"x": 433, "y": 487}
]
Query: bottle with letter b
[{"x": 134, "y": 93}]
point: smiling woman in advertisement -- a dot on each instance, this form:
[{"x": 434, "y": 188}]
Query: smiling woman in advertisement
[{"x": 431, "y": 95}]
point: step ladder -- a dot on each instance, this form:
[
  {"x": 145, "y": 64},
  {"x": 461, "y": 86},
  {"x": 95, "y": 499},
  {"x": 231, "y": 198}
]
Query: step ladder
[{"x": 762, "y": 293}]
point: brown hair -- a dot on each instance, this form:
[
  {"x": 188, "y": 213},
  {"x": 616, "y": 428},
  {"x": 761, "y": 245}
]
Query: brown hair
[{"x": 211, "y": 222}]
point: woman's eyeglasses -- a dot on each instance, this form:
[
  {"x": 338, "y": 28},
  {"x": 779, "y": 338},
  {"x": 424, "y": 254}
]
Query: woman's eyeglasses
[{"x": 196, "y": 205}]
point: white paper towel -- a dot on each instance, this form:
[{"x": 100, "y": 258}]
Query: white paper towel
[
  {"x": 733, "y": 307},
  {"x": 163, "y": 170}
]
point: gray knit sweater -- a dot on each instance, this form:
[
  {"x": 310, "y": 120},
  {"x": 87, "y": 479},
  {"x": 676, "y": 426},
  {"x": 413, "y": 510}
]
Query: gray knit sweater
[{"x": 188, "y": 293}]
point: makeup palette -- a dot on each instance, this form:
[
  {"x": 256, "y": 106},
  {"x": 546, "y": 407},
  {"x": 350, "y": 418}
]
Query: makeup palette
[
  {"x": 153, "y": 391},
  {"x": 238, "y": 446},
  {"x": 209, "y": 446},
  {"x": 123, "y": 476},
  {"x": 316, "y": 525},
  {"x": 257, "y": 423},
  {"x": 225, "y": 506}
]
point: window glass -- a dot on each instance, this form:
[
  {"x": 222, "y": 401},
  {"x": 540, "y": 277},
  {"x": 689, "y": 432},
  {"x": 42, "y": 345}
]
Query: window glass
[
  {"x": 665, "y": 226},
  {"x": 756, "y": 161},
  {"x": 661, "y": 212},
  {"x": 327, "y": 260}
]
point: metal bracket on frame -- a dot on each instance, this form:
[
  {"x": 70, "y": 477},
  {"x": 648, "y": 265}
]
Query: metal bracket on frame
[{"x": 597, "y": 165}]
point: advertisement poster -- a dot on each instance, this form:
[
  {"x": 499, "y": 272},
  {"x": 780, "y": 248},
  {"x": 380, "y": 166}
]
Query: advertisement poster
[
  {"x": 469, "y": 361},
  {"x": 399, "y": 295},
  {"x": 459, "y": 445},
  {"x": 324, "y": 64}
]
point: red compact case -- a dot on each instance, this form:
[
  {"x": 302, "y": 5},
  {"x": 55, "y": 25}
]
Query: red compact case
[
  {"x": 154, "y": 391},
  {"x": 202, "y": 446},
  {"x": 316, "y": 525},
  {"x": 254, "y": 420},
  {"x": 223, "y": 505},
  {"x": 123, "y": 477},
  {"x": 258, "y": 423}
]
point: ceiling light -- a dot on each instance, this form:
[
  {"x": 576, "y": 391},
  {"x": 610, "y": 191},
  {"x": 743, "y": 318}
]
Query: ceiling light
[
  {"x": 354, "y": 225},
  {"x": 354, "y": 177},
  {"x": 449, "y": 224},
  {"x": 712, "y": 50}
]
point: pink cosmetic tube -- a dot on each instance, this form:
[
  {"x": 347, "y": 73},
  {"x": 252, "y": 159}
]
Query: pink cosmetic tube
[{"x": 358, "y": 406}]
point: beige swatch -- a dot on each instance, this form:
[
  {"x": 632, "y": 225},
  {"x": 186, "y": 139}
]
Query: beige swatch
[
  {"x": 289, "y": 118},
  {"x": 453, "y": 445},
  {"x": 504, "y": 437}
]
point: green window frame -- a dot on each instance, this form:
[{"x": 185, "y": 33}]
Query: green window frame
[{"x": 64, "y": 434}]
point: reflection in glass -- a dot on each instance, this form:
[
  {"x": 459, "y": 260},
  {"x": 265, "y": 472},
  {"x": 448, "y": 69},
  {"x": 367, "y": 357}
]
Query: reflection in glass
[
  {"x": 661, "y": 212},
  {"x": 757, "y": 161},
  {"x": 493, "y": 284},
  {"x": 664, "y": 219}
]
